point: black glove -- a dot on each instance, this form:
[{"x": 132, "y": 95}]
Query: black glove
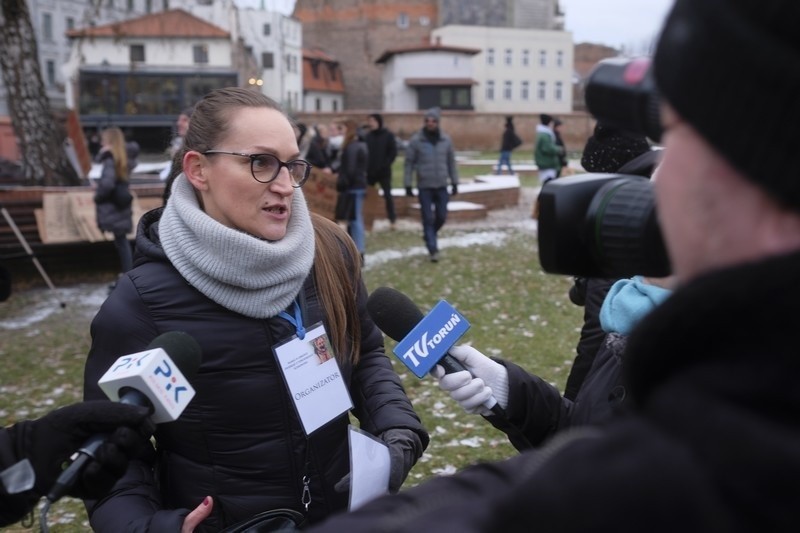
[
  {"x": 48, "y": 442},
  {"x": 405, "y": 447},
  {"x": 409, "y": 191},
  {"x": 453, "y": 190}
]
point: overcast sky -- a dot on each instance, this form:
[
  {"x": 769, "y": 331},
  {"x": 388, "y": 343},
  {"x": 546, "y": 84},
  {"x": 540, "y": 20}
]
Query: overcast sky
[
  {"x": 618, "y": 23},
  {"x": 632, "y": 24}
]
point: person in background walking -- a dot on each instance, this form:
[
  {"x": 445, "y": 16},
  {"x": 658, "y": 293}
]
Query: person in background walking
[
  {"x": 508, "y": 142},
  {"x": 382, "y": 147},
  {"x": 112, "y": 195},
  {"x": 545, "y": 153},
  {"x": 562, "y": 149},
  {"x": 352, "y": 182},
  {"x": 431, "y": 154},
  {"x": 318, "y": 149}
]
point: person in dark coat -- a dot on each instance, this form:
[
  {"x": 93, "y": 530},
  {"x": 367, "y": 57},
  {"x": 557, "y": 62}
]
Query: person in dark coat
[
  {"x": 535, "y": 409},
  {"x": 351, "y": 184},
  {"x": 382, "y": 146},
  {"x": 236, "y": 260},
  {"x": 608, "y": 150},
  {"x": 318, "y": 149},
  {"x": 112, "y": 198},
  {"x": 508, "y": 142},
  {"x": 710, "y": 440}
]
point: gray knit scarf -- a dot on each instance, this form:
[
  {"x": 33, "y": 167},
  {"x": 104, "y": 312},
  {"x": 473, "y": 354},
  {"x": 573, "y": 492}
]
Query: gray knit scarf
[{"x": 243, "y": 273}]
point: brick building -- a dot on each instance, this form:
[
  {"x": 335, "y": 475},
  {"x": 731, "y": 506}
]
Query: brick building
[{"x": 358, "y": 32}]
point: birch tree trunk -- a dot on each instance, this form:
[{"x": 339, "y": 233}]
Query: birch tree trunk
[{"x": 39, "y": 134}]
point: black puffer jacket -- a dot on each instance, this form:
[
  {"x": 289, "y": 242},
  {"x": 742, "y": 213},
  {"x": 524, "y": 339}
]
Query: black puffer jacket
[
  {"x": 109, "y": 216},
  {"x": 382, "y": 147},
  {"x": 240, "y": 439},
  {"x": 536, "y": 410},
  {"x": 712, "y": 442}
]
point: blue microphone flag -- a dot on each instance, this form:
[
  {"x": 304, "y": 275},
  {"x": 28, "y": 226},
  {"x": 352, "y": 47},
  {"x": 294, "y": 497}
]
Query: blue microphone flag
[{"x": 431, "y": 338}]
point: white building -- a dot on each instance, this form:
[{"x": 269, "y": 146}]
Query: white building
[
  {"x": 518, "y": 69},
  {"x": 276, "y": 43},
  {"x": 419, "y": 77},
  {"x": 51, "y": 19}
]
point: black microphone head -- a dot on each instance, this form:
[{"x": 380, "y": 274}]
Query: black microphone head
[
  {"x": 393, "y": 312},
  {"x": 5, "y": 283},
  {"x": 182, "y": 348}
]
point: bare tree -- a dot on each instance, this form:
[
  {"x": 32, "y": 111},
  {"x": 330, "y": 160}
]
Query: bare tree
[{"x": 40, "y": 135}]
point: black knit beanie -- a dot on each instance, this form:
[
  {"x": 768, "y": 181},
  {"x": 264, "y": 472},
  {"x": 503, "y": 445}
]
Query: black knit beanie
[
  {"x": 609, "y": 148},
  {"x": 731, "y": 68}
]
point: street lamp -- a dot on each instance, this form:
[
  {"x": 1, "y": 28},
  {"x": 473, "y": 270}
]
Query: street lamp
[{"x": 255, "y": 82}]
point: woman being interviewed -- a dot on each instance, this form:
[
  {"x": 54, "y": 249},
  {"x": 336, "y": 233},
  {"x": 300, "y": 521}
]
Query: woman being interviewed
[{"x": 235, "y": 260}]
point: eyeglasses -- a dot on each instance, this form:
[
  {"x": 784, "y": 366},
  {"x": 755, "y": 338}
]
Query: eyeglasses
[{"x": 266, "y": 167}]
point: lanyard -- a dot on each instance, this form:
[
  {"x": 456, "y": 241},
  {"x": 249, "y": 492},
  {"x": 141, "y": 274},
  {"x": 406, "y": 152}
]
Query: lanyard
[{"x": 296, "y": 320}]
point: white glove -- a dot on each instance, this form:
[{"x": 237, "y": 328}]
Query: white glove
[{"x": 471, "y": 389}]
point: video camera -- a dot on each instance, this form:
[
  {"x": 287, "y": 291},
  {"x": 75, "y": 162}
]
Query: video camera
[{"x": 605, "y": 225}]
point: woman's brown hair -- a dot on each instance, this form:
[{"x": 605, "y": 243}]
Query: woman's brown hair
[
  {"x": 337, "y": 269},
  {"x": 115, "y": 139}
]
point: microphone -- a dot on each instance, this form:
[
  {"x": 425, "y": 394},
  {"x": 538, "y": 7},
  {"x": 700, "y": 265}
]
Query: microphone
[
  {"x": 400, "y": 318},
  {"x": 155, "y": 378}
]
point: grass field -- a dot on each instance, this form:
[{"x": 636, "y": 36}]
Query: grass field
[{"x": 489, "y": 271}]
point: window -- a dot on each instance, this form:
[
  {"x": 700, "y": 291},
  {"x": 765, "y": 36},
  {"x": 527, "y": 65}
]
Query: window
[
  {"x": 200, "y": 53},
  {"x": 446, "y": 98},
  {"x": 47, "y": 26},
  {"x": 317, "y": 104},
  {"x": 137, "y": 53},
  {"x": 110, "y": 3},
  {"x": 509, "y": 57},
  {"x": 525, "y": 90},
  {"x": 463, "y": 100},
  {"x": 526, "y": 57},
  {"x": 402, "y": 21},
  {"x": 558, "y": 92},
  {"x": 490, "y": 56},
  {"x": 267, "y": 60},
  {"x": 490, "y": 90},
  {"x": 50, "y": 69},
  {"x": 130, "y": 5},
  {"x": 540, "y": 90},
  {"x": 267, "y": 29},
  {"x": 70, "y": 23},
  {"x": 560, "y": 58},
  {"x": 148, "y": 6},
  {"x": 424, "y": 21},
  {"x": 335, "y": 106},
  {"x": 507, "y": 90},
  {"x": 542, "y": 58}
]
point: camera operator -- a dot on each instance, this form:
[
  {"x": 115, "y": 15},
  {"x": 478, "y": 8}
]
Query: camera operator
[
  {"x": 712, "y": 439},
  {"x": 32, "y": 452}
]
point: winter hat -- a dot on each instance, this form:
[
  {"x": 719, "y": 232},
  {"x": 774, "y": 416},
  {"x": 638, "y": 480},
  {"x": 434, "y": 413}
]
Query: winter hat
[
  {"x": 609, "y": 148},
  {"x": 433, "y": 112},
  {"x": 731, "y": 69}
]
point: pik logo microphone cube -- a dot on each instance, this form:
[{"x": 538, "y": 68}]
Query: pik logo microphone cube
[
  {"x": 431, "y": 338},
  {"x": 155, "y": 375}
]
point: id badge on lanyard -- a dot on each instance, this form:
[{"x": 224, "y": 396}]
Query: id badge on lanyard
[{"x": 312, "y": 375}]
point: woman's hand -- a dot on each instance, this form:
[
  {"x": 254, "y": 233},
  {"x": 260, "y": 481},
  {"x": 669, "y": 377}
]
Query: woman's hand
[{"x": 200, "y": 513}]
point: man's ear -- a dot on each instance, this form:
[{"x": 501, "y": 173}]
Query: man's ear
[{"x": 194, "y": 164}]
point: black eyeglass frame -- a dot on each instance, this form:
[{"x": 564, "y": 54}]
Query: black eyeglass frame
[{"x": 295, "y": 183}]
